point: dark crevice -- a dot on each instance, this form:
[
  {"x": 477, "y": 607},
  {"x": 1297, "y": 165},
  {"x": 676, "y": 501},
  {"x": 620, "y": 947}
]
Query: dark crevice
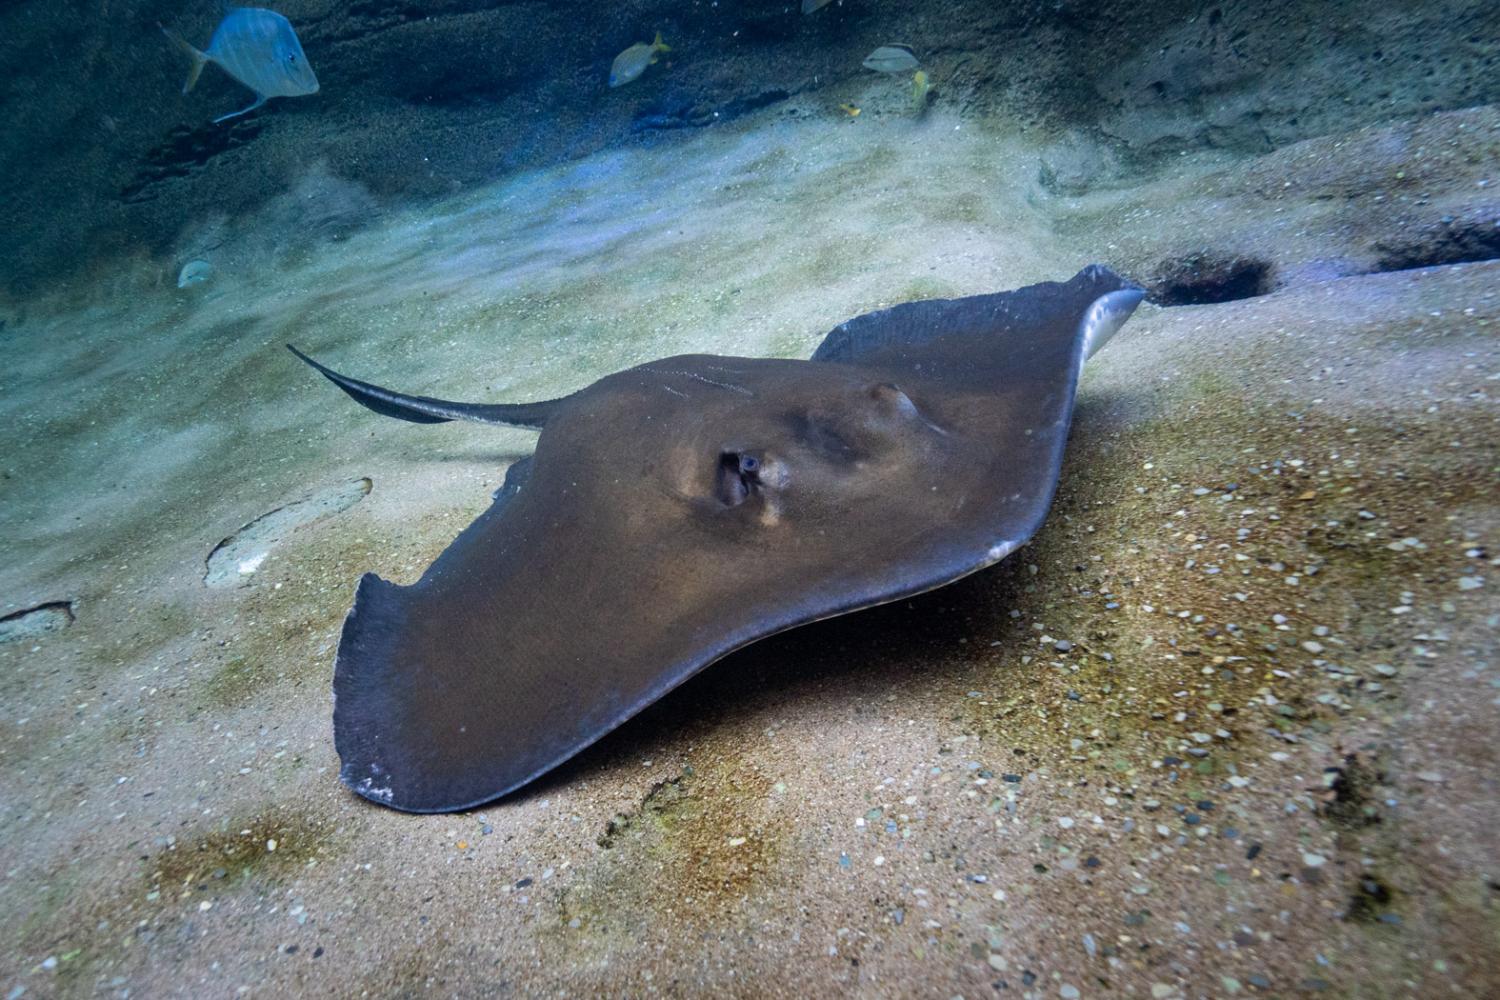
[
  {"x": 1449, "y": 241},
  {"x": 685, "y": 113},
  {"x": 30, "y": 623},
  {"x": 1204, "y": 280},
  {"x": 185, "y": 151}
]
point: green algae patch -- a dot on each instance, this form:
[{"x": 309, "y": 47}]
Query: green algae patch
[
  {"x": 178, "y": 879},
  {"x": 266, "y": 849},
  {"x": 698, "y": 846}
]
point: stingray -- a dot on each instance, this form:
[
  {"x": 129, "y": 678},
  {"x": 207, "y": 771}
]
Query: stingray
[{"x": 676, "y": 511}]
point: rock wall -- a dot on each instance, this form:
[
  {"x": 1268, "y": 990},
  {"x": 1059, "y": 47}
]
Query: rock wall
[{"x": 104, "y": 157}]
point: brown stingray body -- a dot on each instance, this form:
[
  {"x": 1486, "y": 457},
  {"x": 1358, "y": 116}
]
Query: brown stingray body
[{"x": 679, "y": 510}]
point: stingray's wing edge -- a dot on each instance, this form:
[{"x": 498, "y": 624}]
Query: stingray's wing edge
[
  {"x": 1105, "y": 317},
  {"x": 910, "y": 325},
  {"x": 362, "y": 674},
  {"x": 427, "y": 410}
]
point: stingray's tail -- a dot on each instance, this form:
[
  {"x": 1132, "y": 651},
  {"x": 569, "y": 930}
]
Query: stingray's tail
[{"x": 426, "y": 410}]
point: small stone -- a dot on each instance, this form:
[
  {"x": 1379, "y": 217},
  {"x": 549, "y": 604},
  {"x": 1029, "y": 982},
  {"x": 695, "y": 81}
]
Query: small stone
[
  {"x": 998, "y": 962},
  {"x": 1431, "y": 777},
  {"x": 1259, "y": 982},
  {"x": 1066, "y": 822},
  {"x": 1313, "y": 860},
  {"x": 1162, "y": 990},
  {"x": 1068, "y": 992},
  {"x": 1313, "y": 647},
  {"x": 1062, "y": 646},
  {"x": 1470, "y": 582},
  {"x": 1385, "y": 670}
]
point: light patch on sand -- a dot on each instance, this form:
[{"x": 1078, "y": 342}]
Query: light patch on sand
[{"x": 239, "y": 556}]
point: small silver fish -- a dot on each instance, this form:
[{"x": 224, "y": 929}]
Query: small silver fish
[
  {"x": 259, "y": 49},
  {"x": 891, "y": 59},
  {"x": 633, "y": 61},
  {"x": 194, "y": 272}
]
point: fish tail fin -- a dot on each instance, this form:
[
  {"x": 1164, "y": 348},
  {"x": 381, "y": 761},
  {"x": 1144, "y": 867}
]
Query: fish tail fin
[
  {"x": 659, "y": 45},
  {"x": 199, "y": 58}
]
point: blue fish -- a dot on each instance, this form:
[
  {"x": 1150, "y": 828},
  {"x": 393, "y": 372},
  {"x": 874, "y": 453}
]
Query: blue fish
[{"x": 259, "y": 49}]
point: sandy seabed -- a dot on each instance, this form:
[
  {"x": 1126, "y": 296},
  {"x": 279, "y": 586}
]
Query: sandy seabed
[{"x": 1266, "y": 764}]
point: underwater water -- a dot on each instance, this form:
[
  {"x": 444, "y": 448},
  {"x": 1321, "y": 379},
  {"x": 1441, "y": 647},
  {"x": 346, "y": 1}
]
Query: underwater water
[{"x": 1225, "y": 726}]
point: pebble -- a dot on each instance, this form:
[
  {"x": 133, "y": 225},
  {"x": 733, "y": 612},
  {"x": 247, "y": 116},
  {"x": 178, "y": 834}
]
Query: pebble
[
  {"x": 1312, "y": 860},
  {"x": 1162, "y": 990},
  {"x": 1066, "y": 822},
  {"x": 1068, "y": 992},
  {"x": 1432, "y": 777},
  {"x": 1470, "y": 582}
]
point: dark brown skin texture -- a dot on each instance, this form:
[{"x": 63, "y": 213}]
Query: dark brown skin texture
[{"x": 679, "y": 510}]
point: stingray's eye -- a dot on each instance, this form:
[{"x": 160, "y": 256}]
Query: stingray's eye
[{"x": 738, "y": 477}]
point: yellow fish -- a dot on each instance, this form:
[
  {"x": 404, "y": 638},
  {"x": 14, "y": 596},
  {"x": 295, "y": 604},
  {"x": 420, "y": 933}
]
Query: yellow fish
[
  {"x": 849, "y": 110},
  {"x": 633, "y": 61},
  {"x": 920, "y": 88}
]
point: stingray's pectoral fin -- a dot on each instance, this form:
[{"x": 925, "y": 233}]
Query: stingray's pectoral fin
[
  {"x": 1106, "y": 315},
  {"x": 362, "y": 687},
  {"x": 426, "y": 410}
]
